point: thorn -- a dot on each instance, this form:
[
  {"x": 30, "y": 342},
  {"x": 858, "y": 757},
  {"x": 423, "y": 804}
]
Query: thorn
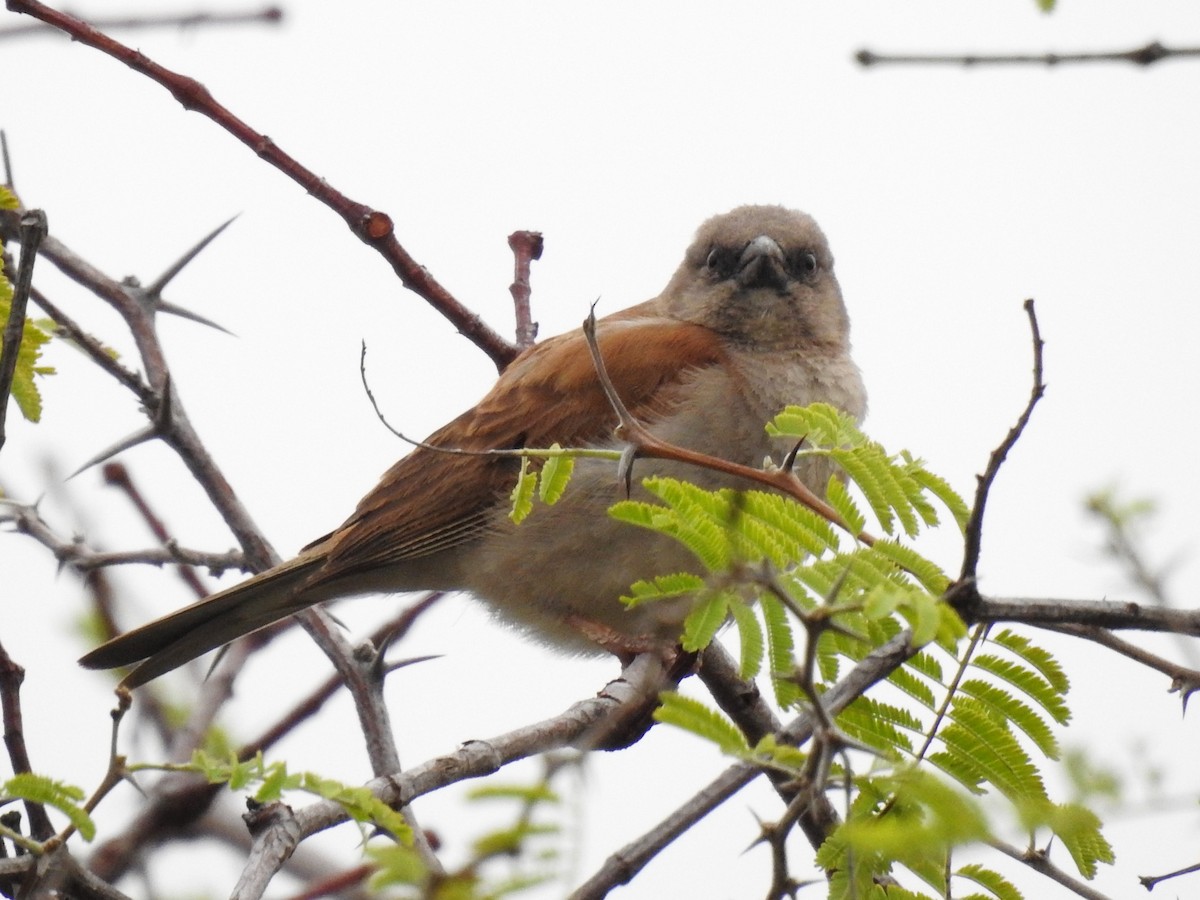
[
  {"x": 625, "y": 468},
  {"x": 141, "y": 436},
  {"x": 155, "y": 288},
  {"x": 173, "y": 310},
  {"x": 789, "y": 461},
  {"x": 391, "y": 667}
]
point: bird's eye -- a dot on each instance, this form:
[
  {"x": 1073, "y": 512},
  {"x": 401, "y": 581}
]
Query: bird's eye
[
  {"x": 721, "y": 261},
  {"x": 803, "y": 263}
]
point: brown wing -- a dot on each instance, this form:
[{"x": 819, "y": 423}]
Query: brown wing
[{"x": 430, "y": 501}]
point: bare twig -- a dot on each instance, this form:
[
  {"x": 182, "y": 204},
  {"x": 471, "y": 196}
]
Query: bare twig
[
  {"x": 1149, "y": 882},
  {"x": 1039, "y": 861},
  {"x": 1184, "y": 681},
  {"x": 473, "y": 760},
  {"x": 117, "y": 476},
  {"x": 11, "y": 676},
  {"x": 33, "y": 232},
  {"x": 270, "y": 15},
  {"x": 370, "y": 225},
  {"x": 526, "y": 246},
  {"x": 974, "y": 529},
  {"x": 1140, "y": 56},
  {"x": 310, "y": 705},
  {"x": 1096, "y": 613},
  {"x": 84, "y": 559}
]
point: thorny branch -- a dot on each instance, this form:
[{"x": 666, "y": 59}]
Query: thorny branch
[{"x": 370, "y": 225}]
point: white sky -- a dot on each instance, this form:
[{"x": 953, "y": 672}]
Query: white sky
[{"x": 949, "y": 197}]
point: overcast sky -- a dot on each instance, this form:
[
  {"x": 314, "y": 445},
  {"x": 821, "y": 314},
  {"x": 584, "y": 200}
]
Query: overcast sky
[{"x": 948, "y": 195}]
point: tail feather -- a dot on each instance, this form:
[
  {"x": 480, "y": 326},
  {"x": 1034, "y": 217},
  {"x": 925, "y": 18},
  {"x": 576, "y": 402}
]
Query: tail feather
[{"x": 169, "y": 642}]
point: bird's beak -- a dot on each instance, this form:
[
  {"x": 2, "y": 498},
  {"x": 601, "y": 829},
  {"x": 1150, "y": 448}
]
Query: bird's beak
[{"x": 762, "y": 265}]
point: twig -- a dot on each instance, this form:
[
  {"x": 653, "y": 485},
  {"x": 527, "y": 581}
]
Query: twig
[
  {"x": 1040, "y": 863},
  {"x": 974, "y": 529},
  {"x": 11, "y": 676},
  {"x": 370, "y": 225},
  {"x": 85, "y": 560},
  {"x": 526, "y": 246},
  {"x": 33, "y": 232},
  {"x": 270, "y": 15},
  {"x": 117, "y": 476},
  {"x": 312, "y": 704},
  {"x": 1096, "y": 613},
  {"x": 1184, "y": 681},
  {"x": 474, "y": 759},
  {"x": 1141, "y": 56},
  {"x": 94, "y": 349},
  {"x": 624, "y": 865},
  {"x": 743, "y": 703},
  {"x": 1149, "y": 882}
]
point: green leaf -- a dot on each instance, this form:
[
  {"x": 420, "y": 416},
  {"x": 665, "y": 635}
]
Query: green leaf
[
  {"x": 780, "y": 649},
  {"x": 541, "y": 792},
  {"x": 1031, "y": 683},
  {"x": 8, "y": 200},
  {"x": 995, "y": 883},
  {"x": 1077, "y": 827},
  {"x": 522, "y": 492},
  {"x": 663, "y": 587},
  {"x": 33, "y": 338},
  {"x": 63, "y": 797},
  {"x": 839, "y": 498},
  {"x": 702, "y": 623},
  {"x": 1004, "y": 707},
  {"x": 750, "y": 636},
  {"x": 556, "y": 473},
  {"x": 875, "y": 724},
  {"x": 1040, "y": 659},
  {"x": 987, "y": 748},
  {"x": 692, "y": 715}
]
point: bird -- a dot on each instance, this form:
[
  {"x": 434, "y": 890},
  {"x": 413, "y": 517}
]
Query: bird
[{"x": 752, "y": 321}]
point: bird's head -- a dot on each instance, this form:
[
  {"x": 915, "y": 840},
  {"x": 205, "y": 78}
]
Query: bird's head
[{"x": 761, "y": 276}]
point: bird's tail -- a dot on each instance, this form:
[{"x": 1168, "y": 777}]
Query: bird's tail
[{"x": 169, "y": 642}]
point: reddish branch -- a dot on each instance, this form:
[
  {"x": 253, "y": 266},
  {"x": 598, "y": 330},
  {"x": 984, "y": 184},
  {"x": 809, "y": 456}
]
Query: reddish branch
[
  {"x": 372, "y": 226},
  {"x": 526, "y": 247}
]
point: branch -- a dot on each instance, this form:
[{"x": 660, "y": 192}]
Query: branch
[
  {"x": 474, "y": 759},
  {"x": 974, "y": 530},
  {"x": 369, "y": 225},
  {"x": 1184, "y": 681},
  {"x": 626, "y": 863},
  {"x": 1095, "y": 613},
  {"x": 271, "y": 15},
  {"x": 1039, "y": 861},
  {"x": 1140, "y": 56},
  {"x": 33, "y": 231},
  {"x": 526, "y": 247},
  {"x": 83, "y": 559},
  {"x": 11, "y": 676}
]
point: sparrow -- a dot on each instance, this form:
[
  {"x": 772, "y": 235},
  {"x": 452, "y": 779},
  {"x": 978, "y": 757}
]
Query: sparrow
[{"x": 751, "y": 322}]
